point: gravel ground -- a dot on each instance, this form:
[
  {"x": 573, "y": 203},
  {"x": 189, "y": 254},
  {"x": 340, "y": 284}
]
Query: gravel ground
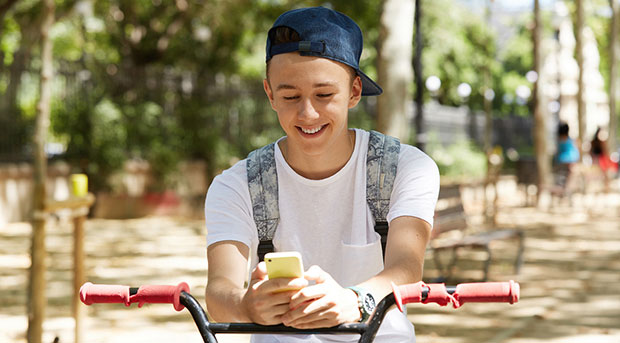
[{"x": 569, "y": 280}]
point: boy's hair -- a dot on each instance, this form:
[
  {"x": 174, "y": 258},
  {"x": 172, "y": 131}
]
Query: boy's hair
[
  {"x": 284, "y": 34},
  {"x": 281, "y": 35}
]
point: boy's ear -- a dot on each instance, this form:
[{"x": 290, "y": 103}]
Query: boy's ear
[
  {"x": 268, "y": 91},
  {"x": 356, "y": 92}
]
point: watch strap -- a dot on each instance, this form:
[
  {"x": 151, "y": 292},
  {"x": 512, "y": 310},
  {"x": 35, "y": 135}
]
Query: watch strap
[{"x": 362, "y": 295}]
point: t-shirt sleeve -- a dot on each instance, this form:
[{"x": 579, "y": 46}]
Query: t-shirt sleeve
[
  {"x": 228, "y": 213},
  {"x": 416, "y": 186}
]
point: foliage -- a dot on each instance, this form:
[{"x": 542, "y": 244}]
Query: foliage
[
  {"x": 159, "y": 81},
  {"x": 598, "y": 18},
  {"x": 458, "y": 160},
  {"x": 458, "y": 47},
  {"x": 165, "y": 81}
]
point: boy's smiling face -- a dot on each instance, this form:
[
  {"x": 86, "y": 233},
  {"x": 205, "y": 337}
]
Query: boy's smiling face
[{"x": 312, "y": 97}]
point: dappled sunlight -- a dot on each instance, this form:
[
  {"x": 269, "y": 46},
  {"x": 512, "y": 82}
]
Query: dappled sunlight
[
  {"x": 151, "y": 100},
  {"x": 568, "y": 280},
  {"x": 154, "y": 250}
]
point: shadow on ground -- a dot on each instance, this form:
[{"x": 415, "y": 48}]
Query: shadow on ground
[{"x": 569, "y": 280}]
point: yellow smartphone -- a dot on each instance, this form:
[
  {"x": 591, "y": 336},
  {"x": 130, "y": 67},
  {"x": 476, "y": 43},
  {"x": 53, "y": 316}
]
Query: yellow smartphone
[{"x": 285, "y": 264}]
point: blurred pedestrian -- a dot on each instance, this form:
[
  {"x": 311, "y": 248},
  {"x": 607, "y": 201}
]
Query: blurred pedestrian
[
  {"x": 600, "y": 155},
  {"x": 567, "y": 149},
  {"x": 566, "y": 158}
]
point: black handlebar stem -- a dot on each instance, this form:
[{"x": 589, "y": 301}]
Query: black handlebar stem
[
  {"x": 368, "y": 331},
  {"x": 377, "y": 318},
  {"x": 199, "y": 315}
]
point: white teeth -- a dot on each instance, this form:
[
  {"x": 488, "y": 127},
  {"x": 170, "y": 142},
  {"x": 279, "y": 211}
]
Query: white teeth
[{"x": 311, "y": 131}]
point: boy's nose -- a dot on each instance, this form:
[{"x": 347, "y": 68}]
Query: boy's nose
[{"x": 307, "y": 110}]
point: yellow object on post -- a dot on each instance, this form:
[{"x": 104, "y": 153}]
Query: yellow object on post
[{"x": 79, "y": 185}]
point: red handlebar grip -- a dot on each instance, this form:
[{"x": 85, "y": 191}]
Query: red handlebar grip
[
  {"x": 109, "y": 294},
  {"x": 487, "y": 292},
  {"x": 466, "y": 292},
  {"x": 405, "y": 294},
  {"x": 156, "y": 294},
  {"x": 153, "y": 294}
]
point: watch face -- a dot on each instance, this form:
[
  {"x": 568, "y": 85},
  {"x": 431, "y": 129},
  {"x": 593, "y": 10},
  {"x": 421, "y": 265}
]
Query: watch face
[{"x": 369, "y": 303}]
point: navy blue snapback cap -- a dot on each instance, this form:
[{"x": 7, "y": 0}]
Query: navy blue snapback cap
[{"x": 324, "y": 33}]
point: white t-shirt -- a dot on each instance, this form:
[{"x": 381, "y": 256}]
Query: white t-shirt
[{"x": 328, "y": 221}]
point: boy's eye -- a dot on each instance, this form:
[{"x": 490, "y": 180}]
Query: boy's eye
[
  {"x": 291, "y": 97},
  {"x": 325, "y": 95}
]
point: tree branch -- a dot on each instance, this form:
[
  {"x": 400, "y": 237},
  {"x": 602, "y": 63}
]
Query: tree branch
[{"x": 6, "y": 6}]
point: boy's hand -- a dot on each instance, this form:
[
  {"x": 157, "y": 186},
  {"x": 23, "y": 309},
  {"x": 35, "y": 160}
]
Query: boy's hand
[
  {"x": 263, "y": 302},
  {"x": 324, "y": 304}
]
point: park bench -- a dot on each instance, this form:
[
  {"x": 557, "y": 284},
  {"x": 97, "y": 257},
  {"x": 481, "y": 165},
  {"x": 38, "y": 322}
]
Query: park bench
[{"x": 450, "y": 216}]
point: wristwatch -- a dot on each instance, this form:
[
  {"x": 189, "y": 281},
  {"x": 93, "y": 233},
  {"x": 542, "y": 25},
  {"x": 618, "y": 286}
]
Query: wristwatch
[{"x": 365, "y": 302}]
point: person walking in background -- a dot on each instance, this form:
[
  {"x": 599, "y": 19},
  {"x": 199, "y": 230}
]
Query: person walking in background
[
  {"x": 566, "y": 157},
  {"x": 600, "y": 156},
  {"x": 567, "y": 149}
]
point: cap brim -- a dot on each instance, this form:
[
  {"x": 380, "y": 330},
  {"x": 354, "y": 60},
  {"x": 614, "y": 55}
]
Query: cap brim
[{"x": 369, "y": 87}]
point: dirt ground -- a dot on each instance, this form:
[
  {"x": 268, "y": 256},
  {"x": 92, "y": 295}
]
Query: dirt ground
[{"x": 569, "y": 281}]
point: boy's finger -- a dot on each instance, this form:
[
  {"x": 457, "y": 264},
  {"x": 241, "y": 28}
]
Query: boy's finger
[
  {"x": 309, "y": 293},
  {"x": 319, "y": 323},
  {"x": 283, "y": 285},
  {"x": 260, "y": 272},
  {"x": 316, "y": 274},
  {"x": 308, "y": 312},
  {"x": 278, "y": 311}
]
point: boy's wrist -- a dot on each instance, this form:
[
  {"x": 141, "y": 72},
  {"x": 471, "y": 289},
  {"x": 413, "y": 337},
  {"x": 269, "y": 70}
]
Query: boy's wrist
[
  {"x": 352, "y": 296},
  {"x": 365, "y": 302}
]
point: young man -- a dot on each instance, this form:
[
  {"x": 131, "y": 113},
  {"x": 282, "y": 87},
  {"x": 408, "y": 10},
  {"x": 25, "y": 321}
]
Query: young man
[{"x": 313, "y": 79}]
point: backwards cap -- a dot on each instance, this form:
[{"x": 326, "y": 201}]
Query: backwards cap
[{"x": 324, "y": 33}]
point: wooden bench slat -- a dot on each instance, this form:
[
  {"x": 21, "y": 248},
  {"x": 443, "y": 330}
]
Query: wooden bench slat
[
  {"x": 450, "y": 224},
  {"x": 449, "y": 191},
  {"x": 457, "y": 209},
  {"x": 450, "y": 216}
]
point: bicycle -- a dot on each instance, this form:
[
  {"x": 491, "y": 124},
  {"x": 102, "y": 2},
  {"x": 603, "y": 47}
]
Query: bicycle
[{"x": 420, "y": 292}]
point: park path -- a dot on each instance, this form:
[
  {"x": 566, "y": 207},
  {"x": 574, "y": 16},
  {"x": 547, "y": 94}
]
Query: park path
[{"x": 569, "y": 282}]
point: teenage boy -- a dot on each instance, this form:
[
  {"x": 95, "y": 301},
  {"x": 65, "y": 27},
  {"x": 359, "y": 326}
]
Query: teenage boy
[{"x": 313, "y": 79}]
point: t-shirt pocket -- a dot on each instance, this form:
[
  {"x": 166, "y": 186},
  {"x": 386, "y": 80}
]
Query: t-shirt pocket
[{"x": 361, "y": 262}]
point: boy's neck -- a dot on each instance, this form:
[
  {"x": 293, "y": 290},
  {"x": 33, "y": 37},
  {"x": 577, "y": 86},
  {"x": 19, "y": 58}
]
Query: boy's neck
[{"x": 317, "y": 167}]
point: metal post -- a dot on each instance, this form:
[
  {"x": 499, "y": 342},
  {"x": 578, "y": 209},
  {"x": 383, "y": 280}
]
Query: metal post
[{"x": 78, "y": 270}]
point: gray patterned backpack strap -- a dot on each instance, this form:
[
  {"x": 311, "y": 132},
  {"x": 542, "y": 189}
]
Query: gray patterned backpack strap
[
  {"x": 263, "y": 186},
  {"x": 381, "y": 166}
]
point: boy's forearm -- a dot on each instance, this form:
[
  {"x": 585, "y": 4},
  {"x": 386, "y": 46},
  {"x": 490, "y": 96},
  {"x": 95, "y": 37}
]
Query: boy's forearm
[
  {"x": 227, "y": 271},
  {"x": 381, "y": 284},
  {"x": 224, "y": 303}
]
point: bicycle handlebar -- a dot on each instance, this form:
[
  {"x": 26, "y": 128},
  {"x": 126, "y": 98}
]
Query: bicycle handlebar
[
  {"x": 419, "y": 292},
  {"x": 180, "y": 298},
  {"x": 463, "y": 293},
  {"x": 153, "y": 294}
]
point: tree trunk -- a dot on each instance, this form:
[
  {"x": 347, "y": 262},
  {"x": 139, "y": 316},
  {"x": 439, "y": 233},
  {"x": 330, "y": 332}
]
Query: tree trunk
[
  {"x": 581, "y": 105},
  {"x": 36, "y": 287},
  {"x": 493, "y": 169},
  {"x": 613, "y": 76},
  {"x": 543, "y": 164},
  {"x": 419, "y": 79},
  {"x": 487, "y": 104},
  {"x": 394, "y": 68},
  {"x": 15, "y": 136}
]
